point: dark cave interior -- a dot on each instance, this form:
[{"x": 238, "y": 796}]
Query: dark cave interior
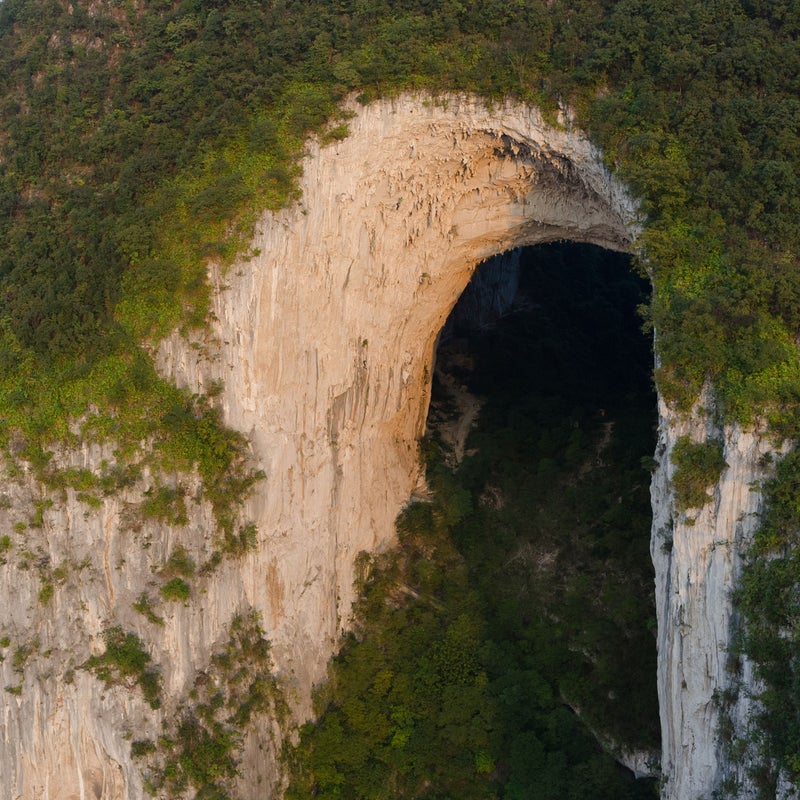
[{"x": 547, "y": 341}]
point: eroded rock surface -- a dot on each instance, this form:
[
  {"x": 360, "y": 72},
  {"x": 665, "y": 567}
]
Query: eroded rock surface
[
  {"x": 324, "y": 339},
  {"x": 698, "y": 559}
]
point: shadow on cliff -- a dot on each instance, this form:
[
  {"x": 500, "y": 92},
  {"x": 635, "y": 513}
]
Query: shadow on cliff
[{"x": 505, "y": 648}]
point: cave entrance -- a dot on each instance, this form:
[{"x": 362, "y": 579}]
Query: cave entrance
[
  {"x": 450, "y": 652},
  {"x": 544, "y": 409}
]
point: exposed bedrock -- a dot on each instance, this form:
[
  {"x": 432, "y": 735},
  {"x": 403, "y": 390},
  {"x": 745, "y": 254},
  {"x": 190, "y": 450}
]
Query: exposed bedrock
[
  {"x": 698, "y": 560},
  {"x": 324, "y": 339}
]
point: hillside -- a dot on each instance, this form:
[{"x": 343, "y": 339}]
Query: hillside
[{"x": 141, "y": 144}]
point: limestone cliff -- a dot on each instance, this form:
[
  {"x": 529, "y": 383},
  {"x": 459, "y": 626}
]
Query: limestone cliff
[
  {"x": 698, "y": 558},
  {"x": 324, "y": 340}
]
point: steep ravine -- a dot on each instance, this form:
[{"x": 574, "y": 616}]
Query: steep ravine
[{"x": 323, "y": 339}]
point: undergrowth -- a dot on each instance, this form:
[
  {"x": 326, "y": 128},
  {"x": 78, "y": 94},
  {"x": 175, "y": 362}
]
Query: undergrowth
[
  {"x": 161, "y": 133},
  {"x": 698, "y": 466},
  {"x": 768, "y": 598},
  {"x": 197, "y": 753},
  {"x": 126, "y": 662},
  {"x": 141, "y": 141}
]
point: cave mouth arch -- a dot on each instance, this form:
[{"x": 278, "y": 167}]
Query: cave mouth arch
[
  {"x": 512, "y": 616},
  {"x": 544, "y": 358},
  {"x": 325, "y": 335}
]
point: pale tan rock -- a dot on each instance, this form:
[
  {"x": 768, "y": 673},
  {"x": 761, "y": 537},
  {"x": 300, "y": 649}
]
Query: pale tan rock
[
  {"x": 325, "y": 340},
  {"x": 698, "y": 557}
]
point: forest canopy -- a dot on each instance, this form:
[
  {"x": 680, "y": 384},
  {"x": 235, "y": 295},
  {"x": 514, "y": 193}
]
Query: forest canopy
[{"x": 140, "y": 140}]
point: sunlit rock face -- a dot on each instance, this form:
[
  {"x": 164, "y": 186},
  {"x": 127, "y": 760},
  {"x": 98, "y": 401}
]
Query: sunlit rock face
[{"x": 324, "y": 339}]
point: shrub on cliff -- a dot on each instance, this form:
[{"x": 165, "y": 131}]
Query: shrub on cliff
[
  {"x": 769, "y": 600},
  {"x": 698, "y": 467},
  {"x": 126, "y": 661}
]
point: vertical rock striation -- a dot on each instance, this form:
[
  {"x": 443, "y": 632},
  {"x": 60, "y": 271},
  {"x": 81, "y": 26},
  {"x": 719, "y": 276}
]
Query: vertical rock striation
[
  {"x": 324, "y": 339},
  {"x": 64, "y": 734},
  {"x": 698, "y": 559}
]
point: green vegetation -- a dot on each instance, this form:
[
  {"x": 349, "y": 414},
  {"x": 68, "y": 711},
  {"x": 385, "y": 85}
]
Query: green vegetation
[
  {"x": 408, "y": 703},
  {"x": 196, "y": 755},
  {"x": 176, "y": 589},
  {"x": 523, "y": 591},
  {"x": 141, "y": 748},
  {"x": 769, "y": 600},
  {"x": 141, "y": 141},
  {"x": 165, "y": 503},
  {"x": 698, "y": 467},
  {"x": 22, "y": 654},
  {"x": 40, "y": 506},
  {"x": 144, "y": 606},
  {"x": 46, "y": 593},
  {"x": 125, "y": 661},
  {"x": 237, "y": 543},
  {"x": 179, "y": 566},
  {"x": 180, "y": 563},
  {"x": 160, "y": 133},
  {"x": 698, "y": 130},
  {"x": 560, "y": 532}
]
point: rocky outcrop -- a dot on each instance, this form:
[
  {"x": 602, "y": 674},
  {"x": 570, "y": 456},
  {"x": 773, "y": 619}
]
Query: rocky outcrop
[
  {"x": 698, "y": 558},
  {"x": 488, "y": 296},
  {"x": 69, "y": 571},
  {"x": 324, "y": 341}
]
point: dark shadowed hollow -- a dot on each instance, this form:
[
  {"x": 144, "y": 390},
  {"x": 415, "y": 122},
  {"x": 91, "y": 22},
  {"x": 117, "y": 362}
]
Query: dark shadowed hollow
[
  {"x": 550, "y": 341},
  {"x": 506, "y": 648}
]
